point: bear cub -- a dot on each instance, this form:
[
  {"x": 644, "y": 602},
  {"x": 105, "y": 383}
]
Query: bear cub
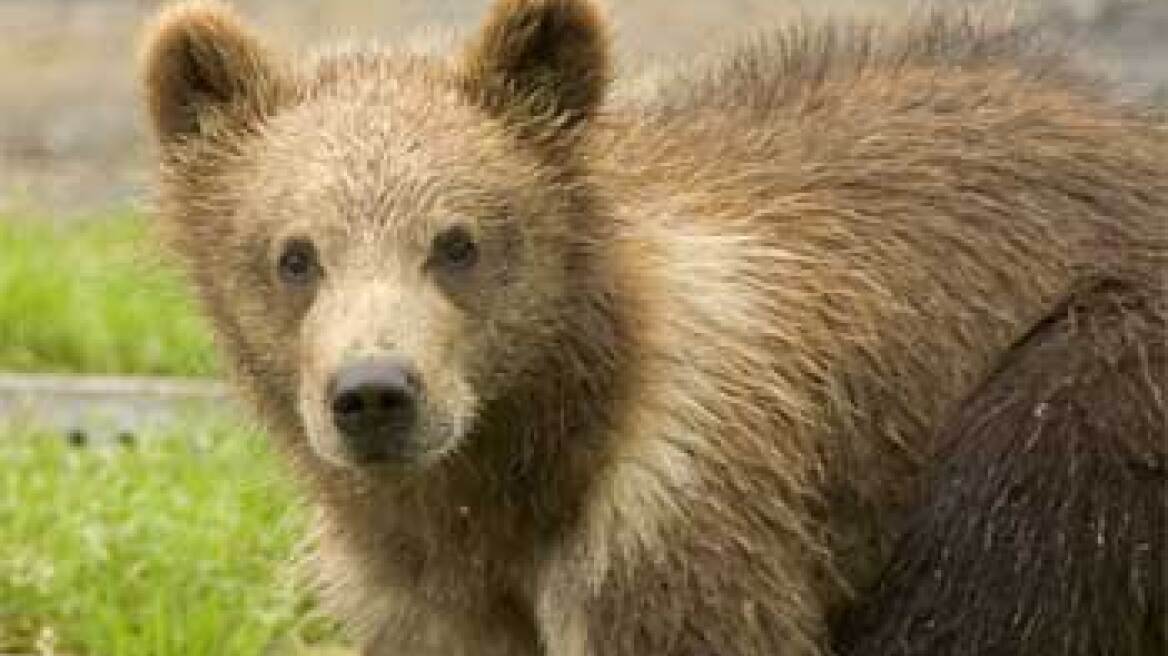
[{"x": 773, "y": 355}]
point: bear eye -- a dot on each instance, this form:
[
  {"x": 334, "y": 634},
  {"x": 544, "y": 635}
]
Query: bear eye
[
  {"x": 455, "y": 248},
  {"x": 298, "y": 263}
]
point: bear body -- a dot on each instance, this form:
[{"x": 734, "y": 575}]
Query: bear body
[{"x": 681, "y": 373}]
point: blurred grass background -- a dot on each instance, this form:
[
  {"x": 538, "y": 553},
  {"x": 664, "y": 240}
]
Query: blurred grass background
[
  {"x": 178, "y": 546},
  {"x": 182, "y": 544},
  {"x": 86, "y": 296}
]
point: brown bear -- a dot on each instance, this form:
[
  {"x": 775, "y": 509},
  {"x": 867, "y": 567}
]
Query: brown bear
[{"x": 680, "y": 370}]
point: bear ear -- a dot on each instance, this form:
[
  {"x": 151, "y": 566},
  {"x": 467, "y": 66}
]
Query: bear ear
[
  {"x": 536, "y": 59},
  {"x": 201, "y": 67}
]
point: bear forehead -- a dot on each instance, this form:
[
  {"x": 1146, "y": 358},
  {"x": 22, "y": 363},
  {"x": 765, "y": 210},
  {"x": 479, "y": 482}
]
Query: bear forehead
[
  {"x": 400, "y": 114},
  {"x": 378, "y": 162},
  {"x": 369, "y": 140}
]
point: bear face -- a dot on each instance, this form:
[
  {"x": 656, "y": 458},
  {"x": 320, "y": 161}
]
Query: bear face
[{"x": 395, "y": 278}]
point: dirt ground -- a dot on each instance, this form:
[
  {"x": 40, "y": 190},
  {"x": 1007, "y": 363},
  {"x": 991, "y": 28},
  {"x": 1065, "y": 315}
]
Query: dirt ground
[{"x": 70, "y": 128}]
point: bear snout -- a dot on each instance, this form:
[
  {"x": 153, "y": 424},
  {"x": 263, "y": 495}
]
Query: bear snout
[{"x": 374, "y": 406}]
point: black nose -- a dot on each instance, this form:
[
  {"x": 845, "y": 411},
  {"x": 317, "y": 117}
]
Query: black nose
[{"x": 374, "y": 405}]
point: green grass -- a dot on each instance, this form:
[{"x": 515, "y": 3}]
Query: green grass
[
  {"x": 178, "y": 546},
  {"x": 93, "y": 297}
]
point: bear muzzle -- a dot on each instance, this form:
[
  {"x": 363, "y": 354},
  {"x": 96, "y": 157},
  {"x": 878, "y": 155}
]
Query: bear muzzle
[{"x": 374, "y": 406}]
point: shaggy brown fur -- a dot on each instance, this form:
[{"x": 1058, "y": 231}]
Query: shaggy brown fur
[{"x": 682, "y": 399}]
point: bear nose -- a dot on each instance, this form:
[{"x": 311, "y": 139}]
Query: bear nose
[{"x": 374, "y": 406}]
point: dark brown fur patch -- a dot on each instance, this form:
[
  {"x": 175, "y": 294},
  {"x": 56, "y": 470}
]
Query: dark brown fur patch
[{"x": 1045, "y": 524}]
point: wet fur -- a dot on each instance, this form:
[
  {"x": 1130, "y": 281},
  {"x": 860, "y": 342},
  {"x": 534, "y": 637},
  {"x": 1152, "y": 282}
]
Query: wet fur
[{"x": 709, "y": 422}]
